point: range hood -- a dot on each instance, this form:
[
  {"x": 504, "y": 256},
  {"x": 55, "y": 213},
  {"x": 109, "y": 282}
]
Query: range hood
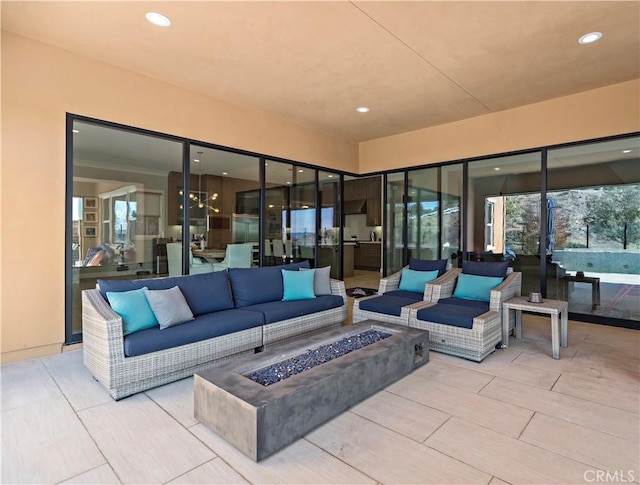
[{"x": 355, "y": 206}]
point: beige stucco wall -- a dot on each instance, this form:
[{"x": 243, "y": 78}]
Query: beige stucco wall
[
  {"x": 612, "y": 110},
  {"x": 40, "y": 84}
]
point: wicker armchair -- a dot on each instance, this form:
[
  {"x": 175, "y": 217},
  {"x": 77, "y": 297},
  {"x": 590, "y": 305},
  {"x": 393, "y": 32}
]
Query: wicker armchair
[
  {"x": 480, "y": 340},
  {"x": 392, "y": 283}
]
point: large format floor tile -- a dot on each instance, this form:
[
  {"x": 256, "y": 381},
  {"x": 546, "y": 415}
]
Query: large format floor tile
[
  {"x": 75, "y": 380},
  {"x": 508, "y": 459},
  {"x": 602, "y": 450},
  {"x": 389, "y": 457},
  {"x": 45, "y": 442},
  {"x": 483, "y": 410},
  {"x": 142, "y": 442},
  {"x": 578, "y": 411},
  {"x": 215, "y": 472},
  {"x": 101, "y": 475},
  {"x": 452, "y": 375},
  {"x": 409, "y": 418},
  {"x": 299, "y": 463},
  {"x": 176, "y": 399},
  {"x": 621, "y": 397}
]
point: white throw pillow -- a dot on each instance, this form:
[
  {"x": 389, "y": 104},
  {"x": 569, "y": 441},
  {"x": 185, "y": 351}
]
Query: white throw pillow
[{"x": 169, "y": 306}]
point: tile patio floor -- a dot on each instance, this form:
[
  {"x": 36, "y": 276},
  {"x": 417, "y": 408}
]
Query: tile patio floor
[{"x": 518, "y": 417}]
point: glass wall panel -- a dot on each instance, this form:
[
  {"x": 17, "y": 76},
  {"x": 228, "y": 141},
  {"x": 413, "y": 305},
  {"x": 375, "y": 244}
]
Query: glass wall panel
[
  {"x": 330, "y": 230},
  {"x": 394, "y": 222},
  {"x": 224, "y": 207},
  {"x": 423, "y": 214},
  {"x": 504, "y": 214},
  {"x": 594, "y": 195},
  {"x": 451, "y": 203},
  {"x": 119, "y": 220}
]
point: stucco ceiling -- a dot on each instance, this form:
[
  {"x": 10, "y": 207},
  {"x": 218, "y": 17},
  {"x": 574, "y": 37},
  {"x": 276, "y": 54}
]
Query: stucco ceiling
[{"x": 414, "y": 64}]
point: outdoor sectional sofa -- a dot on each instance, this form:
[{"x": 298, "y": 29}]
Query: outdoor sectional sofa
[{"x": 236, "y": 312}]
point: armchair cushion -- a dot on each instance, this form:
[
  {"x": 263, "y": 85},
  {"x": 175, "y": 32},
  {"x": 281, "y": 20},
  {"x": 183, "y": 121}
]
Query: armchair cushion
[
  {"x": 470, "y": 303},
  {"x": 386, "y": 304},
  {"x": 414, "y": 296},
  {"x": 415, "y": 281},
  {"x": 481, "y": 268},
  {"x": 428, "y": 265},
  {"x": 474, "y": 287},
  {"x": 450, "y": 314}
]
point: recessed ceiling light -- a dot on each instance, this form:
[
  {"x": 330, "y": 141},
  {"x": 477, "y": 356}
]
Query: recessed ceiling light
[
  {"x": 76, "y": 131},
  {"x": 362, "y": 109},
  {"x": 590, "y": 38},
  {"x": 626, "y": 151},
  {"x": 330, "y": 176},
  {"x": 300, "y": 171},
  {"x": 158, "y": 19},
  {"x": 225, "y": 173},
  {"x": 288, "y": 183},
  {"x": 196, "y": 159},
  {"x": 497, "y": 169}
]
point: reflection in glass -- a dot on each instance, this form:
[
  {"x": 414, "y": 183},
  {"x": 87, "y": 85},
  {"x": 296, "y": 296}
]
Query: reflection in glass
[{"x": 594, "y": 228}]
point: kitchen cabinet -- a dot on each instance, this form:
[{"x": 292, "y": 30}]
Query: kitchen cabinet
[
  {"x": 355, "y": 189},
  {"x": 373, "y": 187},
  {"x": 367, "y": 255},
  {"x": 374, "y": 216}
]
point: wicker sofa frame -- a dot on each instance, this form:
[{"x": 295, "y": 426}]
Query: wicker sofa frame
[
  {"x": 103, "y": 346},
  {"x": 480, "y": 340},
  {"x": 392, "y": 283}
]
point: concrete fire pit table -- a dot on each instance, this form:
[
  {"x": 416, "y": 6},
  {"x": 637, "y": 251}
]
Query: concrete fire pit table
[{"x": 260, "y": 418}]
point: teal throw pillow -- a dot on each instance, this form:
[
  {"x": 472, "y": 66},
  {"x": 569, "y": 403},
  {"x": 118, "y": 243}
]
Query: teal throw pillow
[
  {"x": 412, "y": 280},
  {"x": 134, "y": 309},
  {"x": 474, "y": 287},
  {"x": 298, "y": 285}
]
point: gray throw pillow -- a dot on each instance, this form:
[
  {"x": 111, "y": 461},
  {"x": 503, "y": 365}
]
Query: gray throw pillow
[
  {"x": 321, "y": 281},
  {"x": 169, "y": 306}
]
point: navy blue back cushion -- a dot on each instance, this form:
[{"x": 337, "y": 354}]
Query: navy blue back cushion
[
  {"x": 428, "y": 265},
  {"x": 483, "y": 305},
  {"x": 202, "y": 328},
  {"x": 251, "y": 286},
  {"x": 409, "y": 295},
  {"x": 481, "y": 268},
  {"x": 205, "y": 293}
]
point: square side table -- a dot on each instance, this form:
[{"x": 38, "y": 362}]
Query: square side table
[{"x": 548, "y": 307}]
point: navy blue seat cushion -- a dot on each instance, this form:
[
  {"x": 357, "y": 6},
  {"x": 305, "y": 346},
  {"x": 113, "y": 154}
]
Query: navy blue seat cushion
[
  {"x": 276, "y": 311},
  {"x": 202, "y": 328},
  {"x": 386, "y": 304},
  {"x": 252, "y": 286},
  {"x": 463, "y": 301},
  {"x": 481, "y": 268},
  {"x": 408, "y": 295},
  {"x": 205, "y": 293},
  {"x": 451, "y": 314},
  {"x": 428, "y": 265}
]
